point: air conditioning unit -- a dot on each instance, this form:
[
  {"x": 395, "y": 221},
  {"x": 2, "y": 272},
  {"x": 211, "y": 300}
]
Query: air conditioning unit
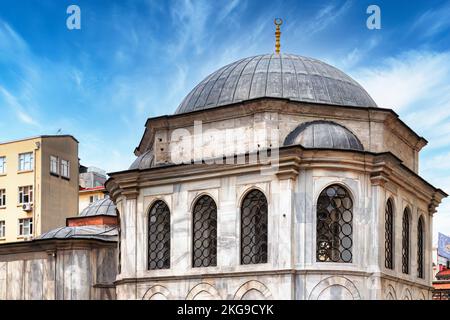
[{"x": 27, "y": 207}]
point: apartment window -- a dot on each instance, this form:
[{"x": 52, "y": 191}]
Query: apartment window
[
  {"x": 94, "y": 198},
  {"x": 25, "y": 194},
  {"x": 2, "y": 197},
  {"x": 25, "y": 227},
  {"x": 2, "y": 229},
  {"x": 2, "y": 165},
  {"x": 65, "y": 168},
  {"x": 26, "y": 161},
  {"x": 54, "y": 165}
]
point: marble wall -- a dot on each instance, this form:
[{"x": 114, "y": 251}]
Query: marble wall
[
  {"x": 70, "y": 274},
  {"x": 263, "y": 129},
  {"x": 292, "y": 271}
]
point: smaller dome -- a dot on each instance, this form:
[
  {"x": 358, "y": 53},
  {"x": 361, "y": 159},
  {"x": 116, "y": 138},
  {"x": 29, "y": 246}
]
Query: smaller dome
[
  {"x": 102, "y": 232},
  {"x": 144, "y": 161},
  {"x": 325, "y": 135},
  {"x": 100, "y": 207}
]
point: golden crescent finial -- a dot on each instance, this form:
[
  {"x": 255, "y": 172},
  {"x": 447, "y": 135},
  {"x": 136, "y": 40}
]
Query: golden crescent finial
[{"x": 278, "y": 22}]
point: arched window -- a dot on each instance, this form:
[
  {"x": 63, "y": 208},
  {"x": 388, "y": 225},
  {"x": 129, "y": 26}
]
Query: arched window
[
  {"x": 389, "y": 235},
  {"x": 405, "y": 241},
  {"x": 254, "y": 228},
  {"x": 204, "y": 244},
  {"x": 334, "y": 225},
  {"x": 159, "y": 236},
  {"x": 420, "y": 245}
]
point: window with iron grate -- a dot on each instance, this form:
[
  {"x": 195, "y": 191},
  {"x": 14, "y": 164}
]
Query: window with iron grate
[
  {"x": 204, "y": 244},
  {"x": 159, "y": 236},
  {"x": 254, "y": 228},
  {"x": 420, "y": 245},
  {"x": 334, "y": 225},
  {"x": 389, "y": 235},
  {"x": 405, "y": 241}
]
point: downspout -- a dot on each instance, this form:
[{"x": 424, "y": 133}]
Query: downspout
[{"x": 35, "y": 189}]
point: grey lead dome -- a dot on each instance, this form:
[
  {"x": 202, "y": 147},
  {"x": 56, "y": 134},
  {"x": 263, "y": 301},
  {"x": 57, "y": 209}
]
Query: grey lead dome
[
  {"x": 100, "y": 207},
  {"x": 325, "y": 135},
  {"x": 286, "y": 76}
]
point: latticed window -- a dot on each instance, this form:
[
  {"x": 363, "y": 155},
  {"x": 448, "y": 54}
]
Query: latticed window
[
  {"x": 254, "y": 228},
  {"x": 159, "y": 236},
  {"x": 334, "y": 225},
  {"x": 420, "y": 242},
  {"x": 204, "y": 244},
  {"x": 389, "y": 235},
  {"x": 405, "y": 241}
]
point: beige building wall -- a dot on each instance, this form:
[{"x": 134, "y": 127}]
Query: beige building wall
[
  {"x": 86, "y": 195},
  {"x": 54, "y": 198}
]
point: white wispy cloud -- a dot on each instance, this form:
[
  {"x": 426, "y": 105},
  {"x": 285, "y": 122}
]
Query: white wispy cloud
[
  {"x": 10, "y": 40},
  {"x": 190, "y": 17},
  {"x": 432, "y": 22},
  {"x": 417, "y": 85},
  {"x": 402, "y": 81},
  {"x": 12, "y": 102},
  {"x": 325, "y": 17}
]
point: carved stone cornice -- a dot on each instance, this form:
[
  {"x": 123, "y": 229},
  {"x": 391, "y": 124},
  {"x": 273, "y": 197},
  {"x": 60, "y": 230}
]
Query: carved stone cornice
[
  {"x": 289, "y": 169},
  {"x": 380, "y": 172},
  {"x": 381, "y": 168}
]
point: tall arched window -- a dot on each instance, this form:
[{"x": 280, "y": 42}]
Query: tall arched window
[
  {"x": 389, "y": 235},
  {"x": 159, "y": 236},
  {"x": 254, "y": 228},
  {"x": 334, "y": 225},
  {"x": 405, "y": 241},
  {"x": 420, "y": 245},
  {"x": 204, "y": 244}
]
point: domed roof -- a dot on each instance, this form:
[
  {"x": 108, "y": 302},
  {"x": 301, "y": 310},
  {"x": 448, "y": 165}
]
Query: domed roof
[
  {"x": 100, "y": 232},
  {"x": 100, "y": 207},
  {"x": 286, "y": 76},
  {"x": 323, "y": 134},
  {"x": 144, "y": 161}
]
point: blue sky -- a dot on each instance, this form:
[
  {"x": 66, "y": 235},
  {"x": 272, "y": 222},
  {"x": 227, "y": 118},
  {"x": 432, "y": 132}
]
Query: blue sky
[{"x": 137, "y": 59}]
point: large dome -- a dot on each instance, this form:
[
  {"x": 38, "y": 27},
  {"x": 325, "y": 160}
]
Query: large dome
[{"x": 279, "y": 76}]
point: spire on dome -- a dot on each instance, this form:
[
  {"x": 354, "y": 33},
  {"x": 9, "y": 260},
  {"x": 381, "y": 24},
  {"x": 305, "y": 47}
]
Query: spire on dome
[{"x": 278, "y": 22}]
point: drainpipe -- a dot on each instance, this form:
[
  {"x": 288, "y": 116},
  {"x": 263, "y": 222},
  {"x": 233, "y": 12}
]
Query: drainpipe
[{"x": 35, "y": 191}]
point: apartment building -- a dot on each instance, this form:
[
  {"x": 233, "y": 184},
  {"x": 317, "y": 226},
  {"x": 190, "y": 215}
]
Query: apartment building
[
  {"x": 92, "y": 180},
  {"x": 38, "y": 185}
]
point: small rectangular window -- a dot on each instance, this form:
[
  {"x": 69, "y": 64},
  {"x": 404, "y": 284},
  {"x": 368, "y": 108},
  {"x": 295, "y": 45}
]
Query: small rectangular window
[
  {"x": 2, "y": 165},
  {"x": 65, "y": 168},
  {"x": 2, "y": 229},
  {"x": 26, "y": 161},
  {"x": 25, "y": 227},
  {"x": 54, "y": 167},
  {"x": 25, "y": 194},
  {"x": 2, "y": 197},
  {"x": 93, "y": 198}
]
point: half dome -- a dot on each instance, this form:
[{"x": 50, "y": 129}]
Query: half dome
[
  {"x": 323, "y": 135},
  {"x": 284, "y": 76}
]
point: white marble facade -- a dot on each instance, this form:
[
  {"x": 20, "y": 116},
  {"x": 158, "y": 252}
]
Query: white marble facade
[
  {"x": 292, "y": 271},
  {"x": 383, "y": 165}
]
